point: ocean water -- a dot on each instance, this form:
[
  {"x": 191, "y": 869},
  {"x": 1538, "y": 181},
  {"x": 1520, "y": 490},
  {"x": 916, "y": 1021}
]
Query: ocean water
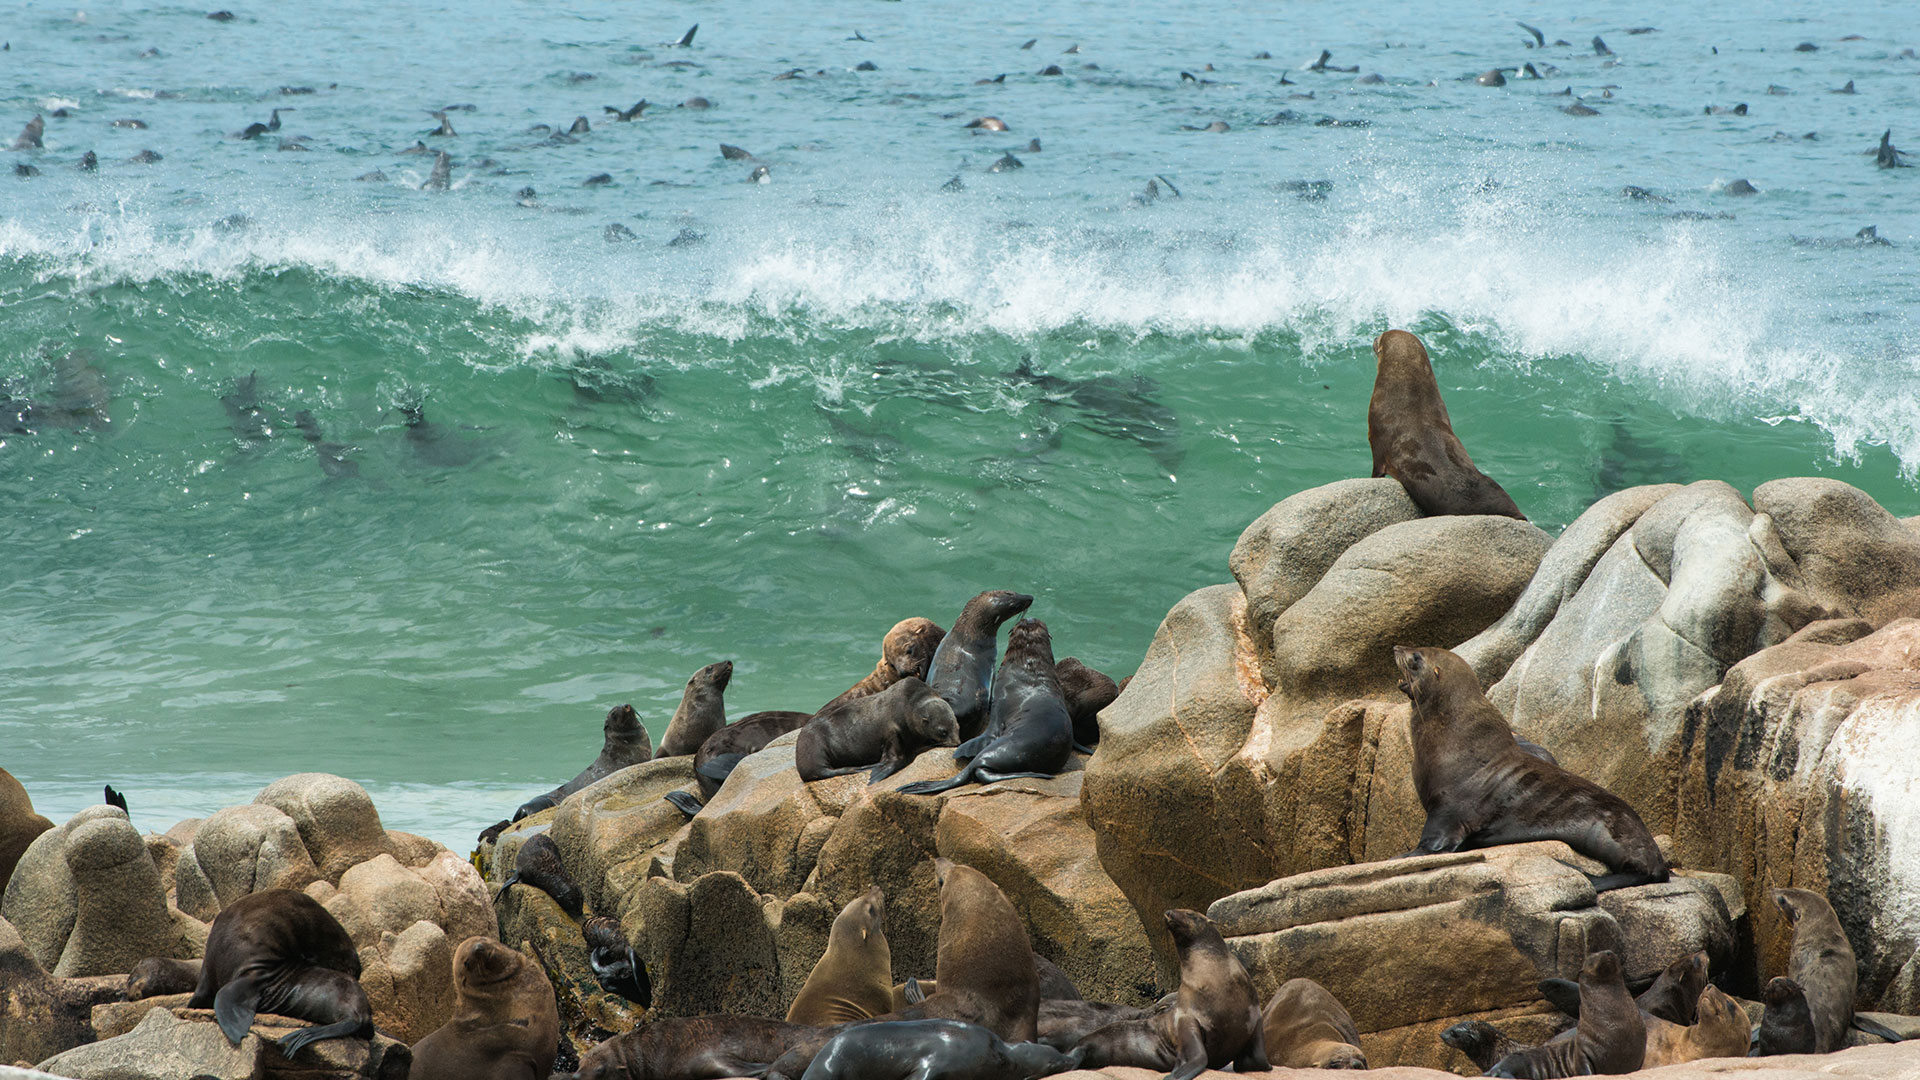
[{"x": 763, "y": 421}]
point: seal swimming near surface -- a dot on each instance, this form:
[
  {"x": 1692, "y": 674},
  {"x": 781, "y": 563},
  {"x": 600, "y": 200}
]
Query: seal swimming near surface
[
  {"x": 918, "y": 1049},
  {"x": 702, "y": 711},
  {"x": 537, "y": 864},
  {"x": 1215, "y": 1020},
  {"x": 906, "y": 650},
  {"x": 854, "y": 978},
  {"x": 278, "y": 951},
  {"x": 1029, "y": 732},
  {"x": 1413, "y": 441},
  {"x": 623, "y": 742},
  {"x": 1305, "y": 1027},
  {"x": 884, "y": 733},
  {"x": 964, "y": 662},
  {"x": 1610, "y": 1038},
  {"x": 1786, "y": 1025},
  {"x": 1823, "y": 963},
  {"x": 615, "y": 966},
  {"x": 1479, "y": 788},
  {"x": 695, "y": 1048},
  {"x": 505, "y": 1023},
  {"x": 31, "y": 136}
]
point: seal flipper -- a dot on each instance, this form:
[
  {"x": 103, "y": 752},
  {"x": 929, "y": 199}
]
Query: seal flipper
[
  {"x": 1562, "y": 994},
  {"x": 1253, "y": 1056},
  {"x": 719, "y": 766},
  {"x": 912, "y": 992},
  {"x": 971, "y": 749},
  {"x": 1193, "y": 1051},
  {"x": 687, "y": 802},
  {"x": 294, "y": 1043},
  {"x": 1079, "y": 749},
  {"x": 988, "y": 776},
  {"x": 1875, "y": 1028},
  {"x": 114, "y": 798},
  {"x": 235, "y": 1005},
  {"x": 934, "y": 787},
  {"x": 1625, "y": 879}
]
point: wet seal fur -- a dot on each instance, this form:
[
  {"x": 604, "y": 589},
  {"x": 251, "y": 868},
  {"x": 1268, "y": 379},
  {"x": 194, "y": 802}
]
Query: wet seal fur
[
  {"x": 963, "y": 663},
  {"x": 1786, "y": 1025},
  {"x": 1610, "y": 1038},
  {"x": 1413, "y": 441},
  {"x": 538, "y": 864},
  {"x": 505, "y": 1023},
  {"x": 726, "y": 748},
  {"x": 1823, "y": 963},
  {"x": 905, "y": 652},
  {"x": 854, "y": 978},
  {"x": 1479, "y": 788},
  {"x": 1215, "y": 1020},
  {"x": 1306, "y": 1027},
  {"x": 1087, "y": 692},
  {"x": 695, "y": 1048},
  {"x": 702, "y": 711},
  {"x": 916, "y": 1049},
  {"x": 1030, "y": 732},
  {"x": 884, "y": 733},
  {"x": 278, "y": 951},
  {"x": 615, "y": 966}
]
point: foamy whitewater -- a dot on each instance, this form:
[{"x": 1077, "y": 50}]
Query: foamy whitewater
[{"x": 681, "y": 417}]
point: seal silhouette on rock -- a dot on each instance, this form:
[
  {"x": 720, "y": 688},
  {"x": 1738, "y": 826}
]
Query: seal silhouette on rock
[
  {"x": 854, "y": 978},
  {"x": 905, "y": 652},
  {"x": 1305, "y": 1027},
  {"x": 696, "y": 1048},
  {"x": 702, "y": 711},
  {"x": 920, "y": 1049},
  {"x": 963, "y": 664},
  {"x": 1413, "y": 440},
  {"x": 537, "y": 864},
  {"x": 624, "y": 742},
  {"x": 505, "y": 1023},
  {"x": 1479, "y": 788},
  {"x": 1030, "y": 732},
  {"x": 1786, "y": 1025},
  {"x": 1611, "y": 1036},
  {"x": 883, "y": 733},
  {"x": 278, "y": 951},
  {"x": 1822, "y": 963},
  {"x": 1215, "y": 1020}
]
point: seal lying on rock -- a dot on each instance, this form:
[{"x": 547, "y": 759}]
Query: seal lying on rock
[
  {"x": 696, "y": 1048},
  {"x": 1030, "y": 732},
  {"x": 906, "y": 652},
  {"x": 279, "y": 951},
  {"x": 1719, "y": 1031},
  {"x": 615, "y": 966},
  {"x": 1215, "y": 1020},
  {"x": 702, "y": 711},
  {"x": 505, "y": 1024},
  {"x": 625, "y": 743},
  {"x": 726, "y": 748},
  {"x": 1306, "y": 1027},
  {"x": 1064, "y": 1023},
  {"x": 1413, "y": 440},
  {"x": 1610, "y": 1038},
  {"x": 918, "y": 1049},
  {"x": 884, "y": 732},
  {"x": 1823, "y": 963},
  {"x": 963, "y": 663},
  {"x": 538, "y": 864},
  {"x": 1480, "y": 788},
  {"x": 854, "y": 978},
  {"x": 159, "y": 975}
]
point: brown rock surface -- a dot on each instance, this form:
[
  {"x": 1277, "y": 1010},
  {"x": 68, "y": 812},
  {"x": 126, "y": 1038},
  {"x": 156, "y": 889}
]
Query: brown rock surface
[
  {"x": 18, "y": 824},
  {"x": 41, "y": 1015},
  {"x": 171, "y": 1043}
]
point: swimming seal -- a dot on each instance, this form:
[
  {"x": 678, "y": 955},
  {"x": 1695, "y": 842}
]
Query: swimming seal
[
  {"x": 505, "y": 1023},
  {"x": 1029, "y": 732},
  {"x": 724, "y": 749},
  {"x": 907, "y": 650},
  {"x": 916, "y": 1049},
  {"x": 854, "y": 978},
  {"x": 1306, "y": 1027},
  {"x": 1087, "y": 692},
  {"x": 615, "y": 967},
  {"x": 1479, "y": 788},
  {"x": 1786, "y": 1027},
  {"x": 1215, "y": 1020},
  {"x": 279, "y": 951},
  {"x": 702, "y": 711},
  {"x": 623, "y": 742},
  {"x": 1610, "y": 1038},
  {"x": 1413, "y": 440},
  {"x": 1823, "y": 963},
  {"x": 697, "y": 1048},
  {"x": 884, "y": 733},
  {"x": 538, "y": 864},
  {"x": 963, "y": 663}
]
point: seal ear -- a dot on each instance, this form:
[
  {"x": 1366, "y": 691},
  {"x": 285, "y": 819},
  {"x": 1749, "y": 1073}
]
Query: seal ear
[{"x": 234, "y": 1007}]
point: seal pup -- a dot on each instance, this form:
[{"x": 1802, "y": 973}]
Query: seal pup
[
  {"x": 623, "y": 742},
  {"x": 1823, "y": 963},
  {"x": 1610, "y": 1038},
  {"x": 1671, "y": 997},
  {"x": 883, "y": 732},
  {"x": 505, "y": 1023},
  {"x": 726, "y": 748},
  {"x": 278, "y": 951},
  {"x": 1305, "y": 1027},
  {"x": 442, "y": 172},
  {"x": 1413, "y": 441},
  {"x": 917, "y": 1049},
  {"x": 1030, "y": 732},
  {"x": 613, "y": 962},
  {"x": 964, "y": 662},
  {"x": 702, "y": 711},
  {"x": 1479, "y": 788},
  {"x": 1719, "y": 1031},
  {"x": 854, "y": 978},
  {"x": 1786, "y": 1025},
  {"x": 694, "y": 1048},
  {"x": 1215, "y": 1020},
  {"x": 1087, "y": 692},
  {"x": 907, "y": 650},
  {"x": 157, "y": 975},
  {"x": 31, "y": 135},
  {"x": 538, "y": 864},
  {"x": 1483, "y": 1043}
]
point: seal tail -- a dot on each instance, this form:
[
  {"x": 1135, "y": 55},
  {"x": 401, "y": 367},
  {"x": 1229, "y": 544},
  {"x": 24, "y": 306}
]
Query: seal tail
[
  {"x": 687, "y": 802},
  {"x": 1875, "y": 1028}
]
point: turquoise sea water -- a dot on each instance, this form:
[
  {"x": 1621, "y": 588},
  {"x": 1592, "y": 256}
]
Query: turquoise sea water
[{"x": 849, "y": 394}]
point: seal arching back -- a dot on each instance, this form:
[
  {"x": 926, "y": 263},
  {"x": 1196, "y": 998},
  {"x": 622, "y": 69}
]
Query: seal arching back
[{"x": 1412, "y": 437}]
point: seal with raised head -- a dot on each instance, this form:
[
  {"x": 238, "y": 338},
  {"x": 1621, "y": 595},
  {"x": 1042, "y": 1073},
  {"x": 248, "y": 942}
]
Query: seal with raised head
[
  {"x": 1413, "y": 440},
  {"x": 1483, "y": 1043},
  {"x": 1306, "y": 1027},
  {"x": 614, "y": 964},
  {"x": 693, "y": 1048},
  {"x": 906, "y": 651},
  {"x": 702, "y": 711},
  {"x": 1672, "y": 997},
  {"x": 537, "y": 864},
  {"x": 917, "y": 1049},
  {"x": 1611, "y": 1036},
  {"x": 883, "y": 732},
  {"x": 505, "y": 1023},
  {"x": 854, "y": 978},
  {"x": 963, "y": 663},
  {"x": 624, "y": 742},
  {"x": 1786, "y": 1025},
  {"x": 1215, "y": 1020},
  {"x": 278, "y": 951},
  {"x": 1030, "y": 733},
  {"x": 1720, "y": 1030},
  {"x": 1823, "y": 963},
  {"x": 1087, "y": 692},
  {"x": 1479, "y": 788}
]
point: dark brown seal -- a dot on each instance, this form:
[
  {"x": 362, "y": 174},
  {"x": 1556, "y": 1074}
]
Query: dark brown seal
[
  {"x": 854, "y": 978},
  {"x": 624, "y": 742},
  {"x": 906, "y": 652},
  {"x": 1610, "y": 1038},
  {"x": 538, "y": 864},
  {"x": 963, "y": 664},
  {"x": 1413, "y": 440},
  {"x": 158, "y": 975},
  {"x": 1483, "y": 1043},
  {"x": 615, "y": 966},
  {"x": 505, "y": 1023},
  {"x": 883, "y": 732},
  {"x": 1306, "y": 1027},
  {"x": 1214, "y": 1022},
  {"x": 1672, "y": 997},
  {"x": 725, "y": 748},
  {"x": 280, "y": 952},
  {"x": 1786, "y": 1025},
  {"x": 1087, "y": 692},
  {"x": 920, "y": 1049},
  {"x": 696, "y": 1048},
  {"x": 702, "y": 711},
  {"x": 1823, "y": 963},
  {"x": 1480, "y": 788},
  {"x": 1030, "y": 732}
]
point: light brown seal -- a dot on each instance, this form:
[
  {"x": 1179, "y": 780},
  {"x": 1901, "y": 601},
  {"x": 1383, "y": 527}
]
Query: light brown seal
[
  {"x": 1306, "y": 1027},
  {"x": 854, "y": 978},
  {"x": 1413, "y": 440},
  {"x": 1823, "y": 963},
  {"x": 1610, "y": 1038},
  {"x": 1479, "y": 788},
  {"x": 18, "y": 824},
  {"x": 505, "y": 1023},
  {"x": 883, "y": 732},
  {"x": 906, "y": 651},
  {"x": 1721, "y": 1030},
  {"x": 702, "y": 711},
  {"x": 1215, "y": 1020}
]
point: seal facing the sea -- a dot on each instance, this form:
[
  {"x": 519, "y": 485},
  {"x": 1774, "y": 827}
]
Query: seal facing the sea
[
  {"x": 1029, "y": 732},
  {"x": 624, "y": 742},
  {"x": 1413, "y": 440},
  {"x": 1215, "y": 1020},
  {"x": 1823, "y": 963},
  {"x": 702, "y": 711},
  {"x": 883, "y": 733},
  {"x": 854, "y": 978},
  {"x": 916, "y": 1049},
  {"x": 1611, "y": 1036},
  {"x": 279, "y": 951},
  {"x": 963, "y": 663},
  {"x": 1479, "y": 788},
  {"x": 505, "y": 1024}
]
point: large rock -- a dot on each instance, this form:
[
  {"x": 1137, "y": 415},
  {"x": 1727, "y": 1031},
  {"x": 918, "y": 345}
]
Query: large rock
[
  {"x": 40, "y": 1014},
  {"x": 171, "y": 1043},
  {"x": 18, "y": 824}
]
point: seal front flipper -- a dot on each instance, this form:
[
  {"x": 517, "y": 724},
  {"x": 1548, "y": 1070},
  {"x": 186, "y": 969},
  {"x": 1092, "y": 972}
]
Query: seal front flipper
[
  {"x": 1875, "y": 1028},
  {"x": 687, "y": 802},
  {"x": 971, "y": 749},
  {"x": 294, "y": 1043},
  {"x": 1562, "y": 994},
  {"x": 1193, "y": 1051},
  {"x": 1254, "y": 1057},
  {"x": 234, "y": 1007}
]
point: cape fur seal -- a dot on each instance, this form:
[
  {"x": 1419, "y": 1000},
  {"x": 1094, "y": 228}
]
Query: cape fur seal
[
  {"x": 279, "y": 951},
  {"x": 1087, "y": 692},
  {"x": 624, "y": 742},
  {"x": 1786, "y": 1025},
  {"x": 1610, "y": 1038},
  {"x": 1029, "y": 732},
  {"x": 505, "y": 1023},
  {"x": 1483, "y": 1043},
  {"x": 1063, "y": 1023},
  {"x": 918, "y": 1049},
  {"x": 157, "y": 975},
  {"x": 1306, "y": 1027},
  {"x": 1215, "y": 1020},
  {"x": 884, "y": 733},
  {"x": 1672, "y": 996},
  {"x": 1823, "y": 963},
  {"x": 854, "y": 978},
  {"x": 1413, "y": 440},
  {"x": 695, "y": 1048},
  {"x": 19, "y": 825},
  {"x": 1719, "y": 1031},
  {"x": 963, "y": 663},
  {"x": 724, "y": 749},
  {"x": 537, "y": 864},
  {"x": 906, "y": 651},
  {"x": 702, "y": 711},
  {"x": 615, "y": 966},
  {"x": 1479, "y": 788}
]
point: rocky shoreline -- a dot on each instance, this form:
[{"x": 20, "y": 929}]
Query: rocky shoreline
[{"x": 1745, "y": 673}]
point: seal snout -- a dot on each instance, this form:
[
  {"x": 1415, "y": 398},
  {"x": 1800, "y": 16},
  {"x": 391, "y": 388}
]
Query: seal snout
[{"x": 622, "y": 718}]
